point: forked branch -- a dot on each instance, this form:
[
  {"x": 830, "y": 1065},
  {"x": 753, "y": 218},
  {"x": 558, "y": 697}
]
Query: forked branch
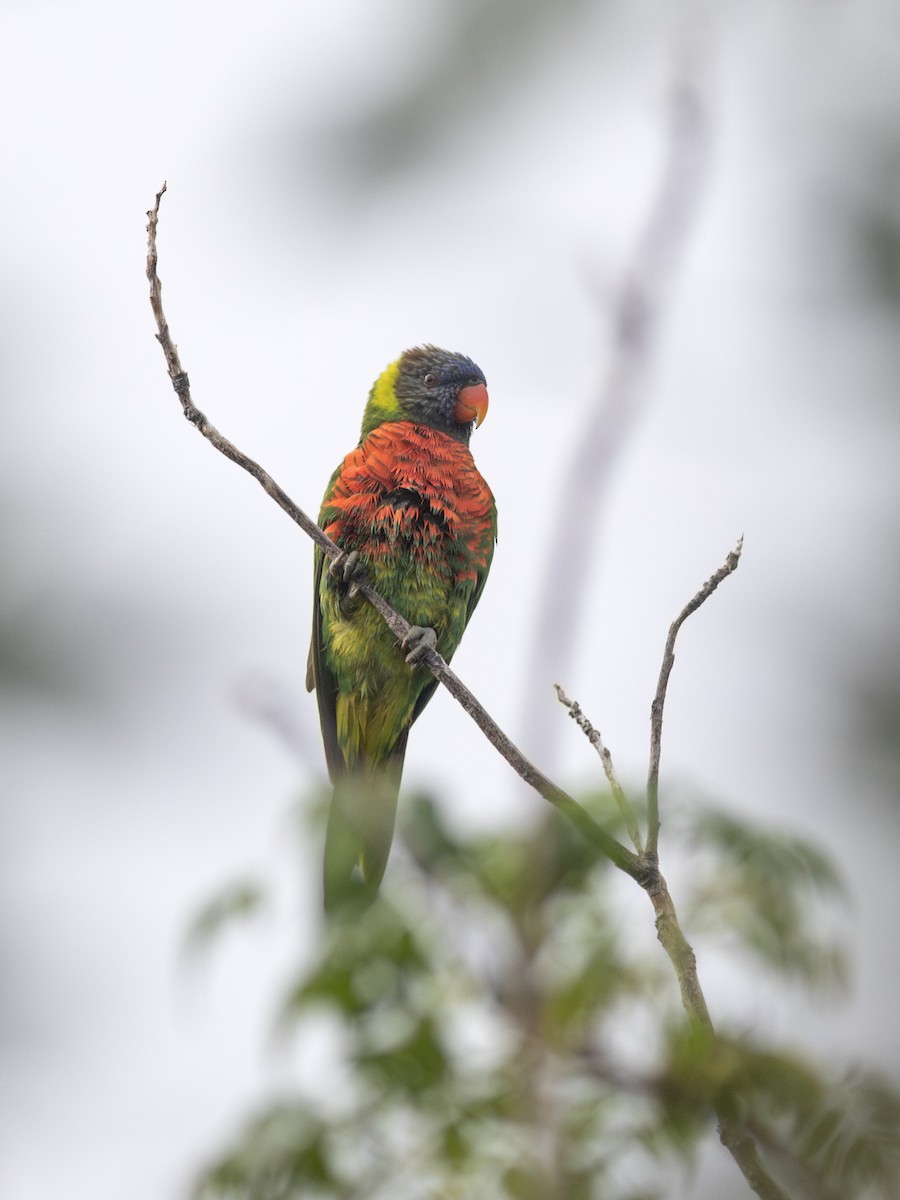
[{"x": 733, "y": 1131}]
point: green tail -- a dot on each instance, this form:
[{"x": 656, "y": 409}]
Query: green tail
[{"x": 360, "y": 830}]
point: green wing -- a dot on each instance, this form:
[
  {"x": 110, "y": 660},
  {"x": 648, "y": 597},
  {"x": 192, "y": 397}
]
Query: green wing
[{"x": 322, "y": 681}]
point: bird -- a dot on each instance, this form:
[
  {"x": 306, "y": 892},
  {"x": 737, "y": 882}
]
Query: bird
[{"x": 410, "y": 513}]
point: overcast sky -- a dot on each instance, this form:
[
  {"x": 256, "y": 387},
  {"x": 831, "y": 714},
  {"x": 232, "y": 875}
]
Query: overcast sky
[{"x": 346, "y": 180}]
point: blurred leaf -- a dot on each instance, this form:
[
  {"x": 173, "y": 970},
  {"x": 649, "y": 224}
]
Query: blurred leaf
[
  {"x": 576, "y": 1000},
  {"x": 578, "y": 1185},
  {"x": 438, "y": 88},
  {"x": 426, "y": 836},
  {"x": 706, "y": 1071},
  {"x": 364, "y": 964},
  {"x": 522, "y": 875},
  {"x": 852, "y": 1137},
  {"x": 329, "y": 984},
  {"x": 879, "y": 235},
  {"x": 416, "y": 1063},
  {"x": 236, "y": 902},
  {"x": 455, "y": 1145},
  {"x": 765, "y": 889},
  {"x": 480, "y": 999},
  {"x": 556, "y": 855},
  {"x": 519, "y": 1184},
  {"x": 281, "y": 1152}
]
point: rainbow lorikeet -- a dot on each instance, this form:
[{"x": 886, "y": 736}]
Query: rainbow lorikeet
[{"x": 410, "y": 510}]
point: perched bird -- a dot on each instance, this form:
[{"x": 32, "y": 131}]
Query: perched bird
[{"x": 411, "y": 512}]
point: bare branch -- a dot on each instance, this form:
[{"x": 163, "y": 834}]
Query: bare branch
[
  {"x": 733, "y": 1132},
  {"x": 594, "y": 737},
  {"x": 738, "y": 1141},
  {"x": 659, "y": 700},
  {"x": 612, "y": 849}
]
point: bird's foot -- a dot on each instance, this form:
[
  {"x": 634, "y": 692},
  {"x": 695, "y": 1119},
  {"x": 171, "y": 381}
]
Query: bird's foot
[
  {"x": 347, "y": 572},
  {"x": 418, "y": 642}
]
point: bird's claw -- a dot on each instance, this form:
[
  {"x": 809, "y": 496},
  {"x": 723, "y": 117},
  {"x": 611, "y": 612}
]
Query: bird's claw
[
  {"x": 347, "y": 572},
  {"x": 418, "y": 642}
]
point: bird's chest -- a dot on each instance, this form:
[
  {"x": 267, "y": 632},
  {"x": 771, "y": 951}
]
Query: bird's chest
[{"x": 417, "y": 508}]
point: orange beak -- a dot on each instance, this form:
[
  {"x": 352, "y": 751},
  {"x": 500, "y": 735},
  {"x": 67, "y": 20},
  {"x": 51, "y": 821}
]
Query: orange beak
[{"x": 471, "y": 404}]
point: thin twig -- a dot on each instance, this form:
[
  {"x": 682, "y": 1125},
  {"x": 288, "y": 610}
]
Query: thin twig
[
  {"x": 609, "y": 846},
  {"x": 659, "y": 700},
  {"x": 594, "y": 737}
]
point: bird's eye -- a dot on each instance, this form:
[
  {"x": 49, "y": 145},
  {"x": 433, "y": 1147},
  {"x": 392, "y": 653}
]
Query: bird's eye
[{"x": 430, "y": 379}]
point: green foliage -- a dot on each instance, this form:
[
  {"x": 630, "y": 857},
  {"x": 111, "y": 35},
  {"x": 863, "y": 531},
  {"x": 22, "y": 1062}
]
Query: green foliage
[
  {"x": 850, "y": 1136},
  {"x": 238, "y": 901},
  {"x": 283, "y": 1151},
  {"x": 768, "y": 893},
  {"x": 502, "y": 1037}
]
